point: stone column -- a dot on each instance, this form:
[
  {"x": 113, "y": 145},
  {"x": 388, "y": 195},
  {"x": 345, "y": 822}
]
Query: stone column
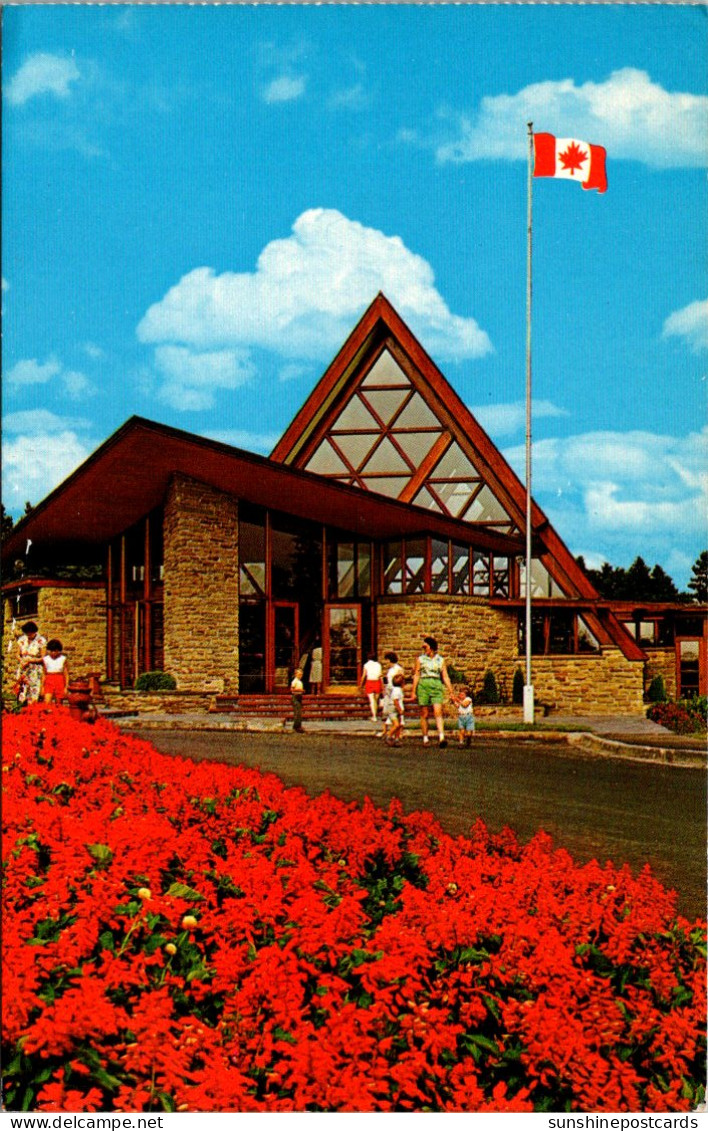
[{"x": 201, "y": 587}]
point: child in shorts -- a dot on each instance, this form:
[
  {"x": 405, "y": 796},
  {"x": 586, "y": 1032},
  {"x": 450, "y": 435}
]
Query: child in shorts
[
  {"x": 55, "y": 673},
  {"x": 465, "y": 717},
  {"x": 396, "y": 716}
]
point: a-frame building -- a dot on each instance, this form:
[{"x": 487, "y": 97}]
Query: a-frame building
[{"x": 384, "y": 513}]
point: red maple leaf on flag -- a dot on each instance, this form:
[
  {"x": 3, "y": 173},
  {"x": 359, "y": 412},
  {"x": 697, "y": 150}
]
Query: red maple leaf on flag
[{"x": 573, "y": 158}]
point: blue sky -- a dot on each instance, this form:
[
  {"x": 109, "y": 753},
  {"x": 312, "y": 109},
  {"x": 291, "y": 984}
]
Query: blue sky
[{"x": 200, "y": 202}]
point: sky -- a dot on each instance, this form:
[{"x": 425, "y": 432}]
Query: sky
[{"x": 200, "y": 202}]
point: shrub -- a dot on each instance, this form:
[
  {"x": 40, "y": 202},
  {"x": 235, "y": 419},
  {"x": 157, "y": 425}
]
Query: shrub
[
  {"x": 657, "y": 690},
  {"x": 490, "y": 688},
  {"x": 456, "y": 676},
  {"x": 517, "y": 687},
  {"x": 193, "y": 936},
  {"x": 155, "y": 681},
  {"x": 687, "y": 716}
]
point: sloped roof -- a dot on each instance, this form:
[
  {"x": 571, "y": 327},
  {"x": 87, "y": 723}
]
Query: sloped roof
[{"x": 128, "y": 476}]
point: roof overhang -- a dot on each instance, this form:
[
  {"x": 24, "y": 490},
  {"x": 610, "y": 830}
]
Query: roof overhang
[{"x": 128, "y": 476}]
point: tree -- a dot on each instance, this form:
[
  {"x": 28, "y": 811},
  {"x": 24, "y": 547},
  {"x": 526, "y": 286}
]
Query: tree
[
  {"x": 6, "y": 520},
  {"x": 698, "y": 583}
]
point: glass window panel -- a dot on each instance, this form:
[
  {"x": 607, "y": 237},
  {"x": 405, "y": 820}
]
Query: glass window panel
[
  {"x": 461, "y": 569},
  {"x": 646, "y": 631},
  {"x": 416, "y": 445},
  {"x": 296, "y": 565},
  {"x": 343, "y": 633},
  {"x": 501, "y": 577},
  {"x": 425, "y": 499},
  {"x": 393, "y": 567},
  {"x": 665, "y": 632},
  {"x": 485, "y": 508},
  {"x": 481, "y": 574},
  {"x": 345, "y": 569},
  {"x": 364, "y": 569},
  {"x": 415, "y": 565},
  {"x": 560, "y": 633},
  {"x": 355, "y": 415},
  {"x": 385, "y": 371},
  {"x": 439, "y": 565},
  {"x": 587, "y": 641},
  {"x": 455, "y": 496},
  {"x": 631, "y": 627},
  {"x": 386, "y": 402},
  {"x": 251, "y": 551},
  {"x": 325, "y": 461},
  {"x": 356, "y": 448},
  {"x": 455, "y": 465},
  {"x": 251, "y": 647},
  {"x": 416, "y": 414},
  {"x": 542, "y": 584},
  {"x": 391, "y": 486},
  {"x": 385, "y": 459}
]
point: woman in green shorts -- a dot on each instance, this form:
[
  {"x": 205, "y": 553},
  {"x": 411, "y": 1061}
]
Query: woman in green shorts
[{"x": 429, "y": 679}]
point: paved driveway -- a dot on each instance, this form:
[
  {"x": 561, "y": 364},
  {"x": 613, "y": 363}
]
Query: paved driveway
[{"x": 629, "y": 812}]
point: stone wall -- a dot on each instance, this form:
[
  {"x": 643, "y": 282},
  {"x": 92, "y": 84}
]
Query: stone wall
[
  {"x": 76, "y": 614},
  {"x": 201, "y": 587},
  {"x": 476, "y": 638}
]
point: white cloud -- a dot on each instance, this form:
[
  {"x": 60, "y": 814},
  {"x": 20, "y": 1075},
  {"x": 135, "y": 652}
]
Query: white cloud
[
  {"x": 29, "y": 372},
  {"x": 625, "y": 493},
  {"x": 632, "y": 116},
  {"x": 506, "y": 419},
  {"x": 40, "y": 421},
  {"x": 286, "y": 88},
  {"x": 691, "y": 323},
  {"x": 190, "y": 379},
  {"x": 307, "y": 292},
  {"x": 262, "y": 442},
  {"x": 40, "y": 74},
  {"x": 34, "y": 464},
  {"x": 354, "y": 97}
]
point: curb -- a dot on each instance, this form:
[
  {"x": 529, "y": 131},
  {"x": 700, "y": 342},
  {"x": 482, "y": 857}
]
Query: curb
[{"x": 585, "y": 741}]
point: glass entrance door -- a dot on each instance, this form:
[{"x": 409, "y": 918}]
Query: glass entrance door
[
  {"x": 342, "y": 645},
  {"x": 284, "y": 644}
]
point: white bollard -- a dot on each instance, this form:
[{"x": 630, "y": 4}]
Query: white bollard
[{"x": 528, "y": 703}]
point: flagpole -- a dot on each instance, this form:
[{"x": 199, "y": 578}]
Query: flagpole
[{"x": 528, "y": 686}]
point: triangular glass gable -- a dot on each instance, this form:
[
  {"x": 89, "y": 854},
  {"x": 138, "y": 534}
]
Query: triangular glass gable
[
  {"x": 417, "y": 415},
  {"x": 486, "y": 508},
  {"x": 385, "y": 402},
  {"x": 355, "y": 417},
  {"x": 385, "y": 371},
  {"x": 325, "y": 461},
  {"x": 415, "y": 445},
  {"x": 386, "y": 485},
  {"x": 355, "y": 447},
  {"x": 386, "y": 459}
]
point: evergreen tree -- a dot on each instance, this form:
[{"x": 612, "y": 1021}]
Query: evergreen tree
[
  {"x": 6, "y": 520},
  {"x": 663, "y": 588},
  {"x": 698, "y": 583}
]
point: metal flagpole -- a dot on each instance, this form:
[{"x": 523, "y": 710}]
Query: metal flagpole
[{"x": 528, "y": 686}]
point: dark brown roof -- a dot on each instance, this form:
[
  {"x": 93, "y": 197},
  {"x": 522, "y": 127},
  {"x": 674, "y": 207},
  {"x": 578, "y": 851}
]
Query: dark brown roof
[{"x": 128, "y": 476}]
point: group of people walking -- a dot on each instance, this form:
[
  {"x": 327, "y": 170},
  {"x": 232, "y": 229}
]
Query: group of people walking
[
  {"x": 430, "y": 680},
  {"x": 42, "y": 671}
]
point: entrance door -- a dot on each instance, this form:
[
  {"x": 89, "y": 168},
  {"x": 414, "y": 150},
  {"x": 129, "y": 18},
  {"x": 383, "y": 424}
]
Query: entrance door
[
  {"x": 342, "y": 645},
  {"x": 691, "y": 667},
  {"x": 284, "y": 639}
]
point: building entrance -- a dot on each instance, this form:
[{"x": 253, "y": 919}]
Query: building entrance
[
  {"x": 342, "y": 651},
  {"x": 283, "y": 643}
]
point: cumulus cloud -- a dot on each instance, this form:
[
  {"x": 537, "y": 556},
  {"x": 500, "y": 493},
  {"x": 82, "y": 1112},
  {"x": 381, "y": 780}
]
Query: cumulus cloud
[
  {"x": 40, "y": 421},
  {"x": 625, "y": 493},
  {"x": 285, "y": 88},
  {"x": 506, "y": 419},
  {"x": 30, "y": 371},
  {"x": 190, "y": 379},
  {"x": 36, "y": 461},
  {"x": 262, "y": 442},
  {"x": 690, "y": 323},
  {"x": 42, "y": 74},
  {"x": 632, "y": 116},
  {"x": 307, "y": 292}
]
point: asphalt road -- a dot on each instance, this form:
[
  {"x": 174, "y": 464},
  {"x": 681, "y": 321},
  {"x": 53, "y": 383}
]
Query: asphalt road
[{"x": 596, "y": 807}]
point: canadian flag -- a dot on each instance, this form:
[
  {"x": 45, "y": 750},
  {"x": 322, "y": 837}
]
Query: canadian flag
[{"x": 567, "y": 157}]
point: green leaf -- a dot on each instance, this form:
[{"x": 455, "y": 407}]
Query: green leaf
[
  {"x": 182, "y": 891},
  {"x": 101, "y": 853}
]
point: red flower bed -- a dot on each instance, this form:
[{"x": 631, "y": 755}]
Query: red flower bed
[{"x": 197, "y": 937}]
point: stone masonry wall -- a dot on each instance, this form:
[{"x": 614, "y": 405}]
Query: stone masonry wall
[
  {"x": 662, "y": 661},
  {"x": 475, "y": 638},
  {"x": 76, "y": 615},
  {"x": 201, "y": 587}
]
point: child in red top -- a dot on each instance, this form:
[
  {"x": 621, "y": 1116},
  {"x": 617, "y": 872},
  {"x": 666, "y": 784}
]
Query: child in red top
[{"x": 56, "y": 673}]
